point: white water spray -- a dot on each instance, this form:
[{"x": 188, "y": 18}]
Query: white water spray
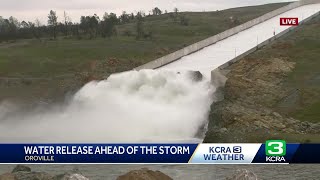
[{"x": 144, "y": 106}]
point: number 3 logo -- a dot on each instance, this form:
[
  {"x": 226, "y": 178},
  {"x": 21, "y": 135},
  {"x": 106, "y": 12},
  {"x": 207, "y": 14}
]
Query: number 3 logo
[{"x": 276, "y": 148}]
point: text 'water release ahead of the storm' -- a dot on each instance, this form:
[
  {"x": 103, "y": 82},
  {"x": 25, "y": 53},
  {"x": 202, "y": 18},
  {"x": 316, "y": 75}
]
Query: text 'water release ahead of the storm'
[{"x": 273, "y": 151}]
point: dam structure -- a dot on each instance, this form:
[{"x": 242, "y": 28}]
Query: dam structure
[{"x": 221, "y": 50}]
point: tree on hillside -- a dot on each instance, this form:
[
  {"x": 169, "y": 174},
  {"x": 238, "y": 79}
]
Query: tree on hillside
[
  {"x": 67, "y": 23},
  {"x": 3, "y": 29},
  {"x": 83, "y": 23},
  {"x": 24, "y": 25},
  {"x": 105, "y": 16},
  {"x": 132, "y": 16},
  {"x": 106, "y": 28},
  {"x": 176, "y": 10},
  {"x": 53, "y": 22},
  {"x": 95, "y": 24},
  {"x": 97, "y": 17},
  {"x": 65, "y": 18},
  {"x": 175, "y": 13},
  {"x": 13, "y": 25},
  {"x": 108, "y": 25},
  {"x": 124, "y": 18},
  {"x": 156, "y": 11},
  {"x": 14, "y": 21},
  {"x": 113, "y": 18},
  {"x": 89, "y": 24},
  {"x": 140, "y": 31},
  {"x": 37, "y": 23},
  {"x": 75, "y": 28},
  {"x": 35, "y": 29},
  {"x": 25, "y": 30}
]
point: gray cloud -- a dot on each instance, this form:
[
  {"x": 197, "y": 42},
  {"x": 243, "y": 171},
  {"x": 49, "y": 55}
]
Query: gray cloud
[{"x": 32, "y": 9}]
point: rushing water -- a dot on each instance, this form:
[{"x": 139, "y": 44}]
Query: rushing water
[{"x": 135, "y": 106}]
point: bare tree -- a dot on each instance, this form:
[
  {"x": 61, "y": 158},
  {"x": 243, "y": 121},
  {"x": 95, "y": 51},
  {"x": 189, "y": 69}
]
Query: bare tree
[
  {"x": 35, "y": 29},
  {"x": 140, "y": 30},
  {"x": 38, "y": 23},
  {"x": 53, "y": 22},
  {"x": 176, "y": 10},
  {"x": 66, "y": 22}
]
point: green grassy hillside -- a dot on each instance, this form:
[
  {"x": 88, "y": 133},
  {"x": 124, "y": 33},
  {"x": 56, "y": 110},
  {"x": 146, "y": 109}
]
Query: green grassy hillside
[
  {"x": 66, "y": 64},
  {"x": 50, "y": 58}
]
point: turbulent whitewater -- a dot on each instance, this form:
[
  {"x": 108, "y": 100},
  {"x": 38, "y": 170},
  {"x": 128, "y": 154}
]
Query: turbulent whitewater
[{"x": 135, "y": 106}]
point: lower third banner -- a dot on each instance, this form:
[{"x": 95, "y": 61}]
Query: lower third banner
[{"x": 273, "y": 151}]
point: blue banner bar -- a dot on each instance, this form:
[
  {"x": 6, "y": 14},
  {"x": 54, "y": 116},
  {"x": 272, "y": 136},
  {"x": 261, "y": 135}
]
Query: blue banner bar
[
  {"x": 96, "y": 153},
  {"x": 273, "y": 151}
]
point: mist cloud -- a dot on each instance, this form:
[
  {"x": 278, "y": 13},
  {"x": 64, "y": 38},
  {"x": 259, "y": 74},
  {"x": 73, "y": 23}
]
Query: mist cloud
[{"x": 144, "y": 106}]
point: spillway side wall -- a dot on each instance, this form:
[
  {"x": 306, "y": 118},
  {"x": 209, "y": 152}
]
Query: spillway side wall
[
  {"x": 260, "y": 45},
  {"x": 211, "y": 40},
  {"x": 305, "y": 2}
]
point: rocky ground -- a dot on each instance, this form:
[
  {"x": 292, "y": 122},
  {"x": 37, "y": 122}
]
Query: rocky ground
[
  {"x": 266, "y": 90},
  {"x": 22, "y": 172},
  {"x": 246, "y": 113}
]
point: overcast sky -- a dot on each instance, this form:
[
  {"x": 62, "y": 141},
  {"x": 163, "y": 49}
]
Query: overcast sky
[{"x": 31, "y": 9}]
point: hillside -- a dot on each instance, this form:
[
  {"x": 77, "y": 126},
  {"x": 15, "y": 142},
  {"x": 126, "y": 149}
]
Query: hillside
[
  {"x": 48, "y": 70},
  {"x": 274, "y": 93}
]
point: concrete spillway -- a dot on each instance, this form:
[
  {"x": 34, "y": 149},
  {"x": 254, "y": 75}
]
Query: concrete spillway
[
  {"x": 145, "y": 106},
  {"x": 215, "y": 55}
]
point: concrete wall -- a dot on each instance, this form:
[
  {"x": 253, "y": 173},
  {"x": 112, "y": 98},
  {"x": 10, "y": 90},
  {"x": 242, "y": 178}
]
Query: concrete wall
[
  {"x": 304, "y": 2},
  {"x": 259, "y": 46},
  {"x": 264, "y": 43},
  {"x": 211, "y": 40}
]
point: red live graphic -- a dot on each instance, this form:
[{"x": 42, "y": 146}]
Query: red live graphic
[{"x": 289, "y": 21}]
